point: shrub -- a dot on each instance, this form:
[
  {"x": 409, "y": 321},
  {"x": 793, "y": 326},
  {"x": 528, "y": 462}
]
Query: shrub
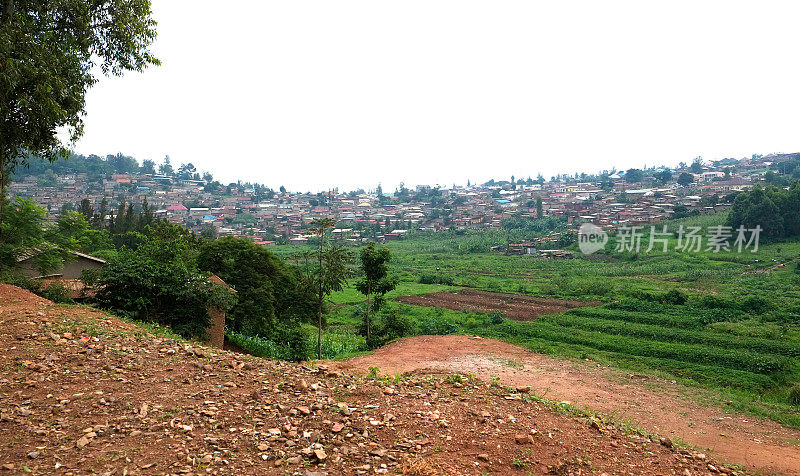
[
  {"x": 755, "y": 304},
  {"x": 794, "y": 394},
  {"x": 57, "y": 293},
  {"x": 297, "y": 342},
  {"x": 715, "y": 302},
  {"x": 674, "y": 296},
  {"x": 497, "y": 317},
  {"x": 428, "y": 278},
  {"x": 389, "y": 325},
  {"x": 437, "y": 326}
]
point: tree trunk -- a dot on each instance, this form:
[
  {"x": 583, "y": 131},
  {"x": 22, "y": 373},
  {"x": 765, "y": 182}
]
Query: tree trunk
[
  {"x": 320, "y": 292},
  {"x": 2, "y": 190},
  {"x": 319, "y": 325},
  {"x": 369, "y": 305}
]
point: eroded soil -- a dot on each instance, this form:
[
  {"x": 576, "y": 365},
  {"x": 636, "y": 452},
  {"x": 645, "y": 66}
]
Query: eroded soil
[{"x": 654, "y": 404}]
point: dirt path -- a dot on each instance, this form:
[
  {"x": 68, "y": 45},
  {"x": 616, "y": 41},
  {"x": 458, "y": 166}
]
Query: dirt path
[{"x": 665, "y": 408}]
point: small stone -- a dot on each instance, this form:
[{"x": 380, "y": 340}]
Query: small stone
[
  {"x": 33, "y": 454},
  {"x": 483, "y": 457},
  {"x": 337, "y": 427},
  {"x": 320, "y": 454}
]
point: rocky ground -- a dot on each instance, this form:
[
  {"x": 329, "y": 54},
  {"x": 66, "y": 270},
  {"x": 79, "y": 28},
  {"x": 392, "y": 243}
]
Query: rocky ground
[{"x": 82, "y": 392}]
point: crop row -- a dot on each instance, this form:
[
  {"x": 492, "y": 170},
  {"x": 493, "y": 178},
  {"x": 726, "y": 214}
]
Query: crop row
[
  {"x": 707, "y": 374},
  {"x": 666, "y": 334},
  {"x": 666, "y": 320},
  {"x": 735, "y": 359}
]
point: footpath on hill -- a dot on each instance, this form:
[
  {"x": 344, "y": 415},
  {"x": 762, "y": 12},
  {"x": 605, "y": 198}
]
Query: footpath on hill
[
  {"x": 82, "y": 392},
  {"x": 655, "y": 405}
]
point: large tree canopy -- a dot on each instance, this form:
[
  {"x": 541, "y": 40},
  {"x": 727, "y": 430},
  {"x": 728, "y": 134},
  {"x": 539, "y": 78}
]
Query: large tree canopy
[{"x": 51, "y": 52}]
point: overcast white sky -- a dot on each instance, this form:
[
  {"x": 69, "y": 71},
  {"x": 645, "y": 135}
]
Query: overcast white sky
[{"x": 318, "y": 94}]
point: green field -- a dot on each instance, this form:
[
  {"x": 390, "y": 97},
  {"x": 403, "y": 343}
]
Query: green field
[{"x": 737, "y": 333}]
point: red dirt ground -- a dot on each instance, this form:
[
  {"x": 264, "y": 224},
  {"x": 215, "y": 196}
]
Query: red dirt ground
[
  {"x": 82, "y": 392},
  {"x": 513, "y": 306},
  {"x": 656, "y": 405}
]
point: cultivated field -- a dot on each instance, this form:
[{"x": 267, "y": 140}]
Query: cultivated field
[{"x": 513, "y": 306}]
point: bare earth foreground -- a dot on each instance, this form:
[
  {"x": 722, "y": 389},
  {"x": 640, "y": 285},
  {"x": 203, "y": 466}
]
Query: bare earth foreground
[
  {"x": 82, "y": 392},
  {"x": 656, "y": 405}
]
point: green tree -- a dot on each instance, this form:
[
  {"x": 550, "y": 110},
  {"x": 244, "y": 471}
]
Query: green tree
[
  {"x": 685, "y": 179},
  {"x": 272, "y": 297},
  {"x": 25, "y": 231},
  {"x": 539, "y": 209},
  {"x": 775, "y": 209},
  {"x": 375, "y": 282},
  {"x": 697, "y": 165},
  {"x": 663, "y": 176},
  {"x": 49, "y": 51},
  {"x": 186, "y": 171},
  {"x": 148, "y": 167},
  {"x": 330, "y": 272},
  {"x": 166, "y": 167},
  {"x": 86, "y": 209},
  {"x": 634, "y": 176}
]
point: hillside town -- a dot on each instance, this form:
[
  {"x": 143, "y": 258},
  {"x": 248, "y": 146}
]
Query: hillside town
[{"x": 611, "y": 199}]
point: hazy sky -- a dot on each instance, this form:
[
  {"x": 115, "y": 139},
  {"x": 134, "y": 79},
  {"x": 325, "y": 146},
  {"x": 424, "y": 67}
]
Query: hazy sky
[{"x": 317, "y": 94}]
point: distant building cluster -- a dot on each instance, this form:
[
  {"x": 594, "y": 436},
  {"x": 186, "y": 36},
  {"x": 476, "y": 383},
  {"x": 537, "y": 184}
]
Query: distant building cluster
[{"x": 609, "y": 199}]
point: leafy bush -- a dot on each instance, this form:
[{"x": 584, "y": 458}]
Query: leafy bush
[
  {"x": 755, "y": 304},
  {"x": 157, "y": 283},
  {"x": 428, "y": 278},
  {"x": 715, "y": 302},
  {"x": 497, "y": 317},
  {"x": 389, "y": 325},
  {"x": 673, "y": 296},
  {"x": 297, "y": 340},
  {"x": 794, "y": 395},
  {"x": 56, "y": 292},
  {"x": 431, "y": 325}
]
